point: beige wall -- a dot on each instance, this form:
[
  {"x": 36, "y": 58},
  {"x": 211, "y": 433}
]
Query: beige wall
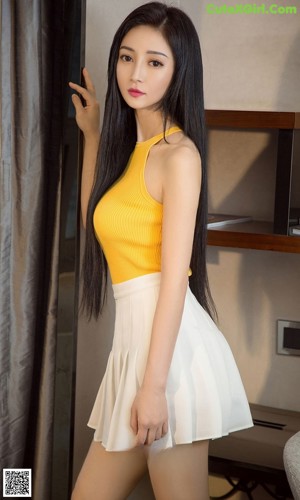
[{"x": 250, "y": 62}]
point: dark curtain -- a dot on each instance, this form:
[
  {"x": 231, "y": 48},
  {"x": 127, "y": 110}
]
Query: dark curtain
[{"x": 32, "y": 109}]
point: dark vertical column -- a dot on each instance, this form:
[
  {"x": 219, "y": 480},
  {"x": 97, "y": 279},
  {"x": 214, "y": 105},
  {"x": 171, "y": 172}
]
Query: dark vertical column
[
  {"x": 73, "y": 52},
  {"x": 283, "y": 181}
]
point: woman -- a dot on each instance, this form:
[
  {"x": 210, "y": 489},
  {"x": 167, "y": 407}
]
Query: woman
[{"x": 171, "y": 383}]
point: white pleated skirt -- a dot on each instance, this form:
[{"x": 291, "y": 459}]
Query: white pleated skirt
[{"x": 205, "y": 395}]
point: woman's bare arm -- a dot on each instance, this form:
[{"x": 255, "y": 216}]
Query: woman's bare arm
[
  {"x": 181, "y": 187},
  {"x": 88, "y": 120}
]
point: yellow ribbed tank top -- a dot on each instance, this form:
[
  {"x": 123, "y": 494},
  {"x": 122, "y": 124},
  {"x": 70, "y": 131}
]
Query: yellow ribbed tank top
[{"x": 128, "y": 220}]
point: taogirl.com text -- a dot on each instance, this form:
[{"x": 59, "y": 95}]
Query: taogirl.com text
[{"x": 251, "y": 8}]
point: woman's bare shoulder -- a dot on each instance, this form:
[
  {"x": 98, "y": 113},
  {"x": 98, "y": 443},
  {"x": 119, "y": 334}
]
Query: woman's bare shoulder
[
  {"x": 179, "y": 150},
  {"x": 175, "y": 161},
  {"x": 180, "y": 163},
  {"x": 178, "y": 145}
]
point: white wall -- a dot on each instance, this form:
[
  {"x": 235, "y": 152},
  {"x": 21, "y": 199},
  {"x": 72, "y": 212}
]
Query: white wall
[{"x": 250, "y": 62}]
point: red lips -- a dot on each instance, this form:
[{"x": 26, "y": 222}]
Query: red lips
[{"x": 135, "y": 92}]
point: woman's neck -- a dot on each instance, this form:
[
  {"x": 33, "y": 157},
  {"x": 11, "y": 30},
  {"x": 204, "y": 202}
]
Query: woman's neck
[{"x": 149, "y": 123}]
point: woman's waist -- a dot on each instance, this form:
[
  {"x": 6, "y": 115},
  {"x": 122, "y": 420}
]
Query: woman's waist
[{"x": 136, "y": 284}]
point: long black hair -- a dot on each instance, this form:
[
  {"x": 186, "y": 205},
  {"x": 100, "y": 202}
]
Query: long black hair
[{"x": 183, "y": 104}]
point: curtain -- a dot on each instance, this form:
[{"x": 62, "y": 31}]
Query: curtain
[{"x": 30, "y": 189}]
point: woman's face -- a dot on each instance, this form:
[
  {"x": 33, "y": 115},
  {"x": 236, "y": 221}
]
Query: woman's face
[{"x": 145, "y": 67}]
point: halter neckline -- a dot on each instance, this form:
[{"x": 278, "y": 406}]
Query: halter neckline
[{"x": 159, "y": 136}]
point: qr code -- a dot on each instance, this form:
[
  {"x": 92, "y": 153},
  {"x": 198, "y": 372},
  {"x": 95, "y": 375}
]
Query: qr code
[{"x": 17, "y": 483}]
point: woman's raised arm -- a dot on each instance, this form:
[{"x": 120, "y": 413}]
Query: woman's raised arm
[{"x": 88, "y": 120}]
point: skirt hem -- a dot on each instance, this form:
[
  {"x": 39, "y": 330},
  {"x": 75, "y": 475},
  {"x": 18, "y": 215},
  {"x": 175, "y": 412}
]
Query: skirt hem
[{"x": 196, "y": 439}]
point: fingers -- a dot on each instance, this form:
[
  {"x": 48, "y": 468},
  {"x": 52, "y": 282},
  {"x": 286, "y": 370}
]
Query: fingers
[
  {"x": 158, "y": 434},
  {"x": 165, "y": 428},
  {"x": 86, "y": 106},
  {"x": 149, "y": 416},
  {"x": 142, "y": 436},
  {"x": 88, "y": 92},
  {"x": 88, "y": 81},
  {"x": 154, "y": 435},
  {"x": 133, "y": 420},
  {"x": 77, "y": 103},
  {"x": 147, "y": 436},
  {"x": 87, "y": 96}
]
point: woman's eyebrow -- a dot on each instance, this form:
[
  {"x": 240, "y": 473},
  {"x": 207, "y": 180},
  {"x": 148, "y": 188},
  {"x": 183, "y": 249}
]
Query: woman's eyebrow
[{"x": 148, "y": 51}]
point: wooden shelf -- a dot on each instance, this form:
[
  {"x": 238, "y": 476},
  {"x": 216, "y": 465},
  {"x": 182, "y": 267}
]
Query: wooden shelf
[
  {"x": 252, "y": 119},
  {"x": 256, "y": 235},
  {"x": 259, "y": 235}
]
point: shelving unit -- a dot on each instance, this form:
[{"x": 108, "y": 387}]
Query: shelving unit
[{"x": 257, "y": 234}]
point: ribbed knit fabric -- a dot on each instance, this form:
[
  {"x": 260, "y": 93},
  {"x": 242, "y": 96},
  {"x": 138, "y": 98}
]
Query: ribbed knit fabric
[{"x": 128, "y": 220}]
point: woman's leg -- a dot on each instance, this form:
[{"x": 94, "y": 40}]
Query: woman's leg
[
  {"x": 109, "y": 475},
  {"x": 181, "y": 472}
]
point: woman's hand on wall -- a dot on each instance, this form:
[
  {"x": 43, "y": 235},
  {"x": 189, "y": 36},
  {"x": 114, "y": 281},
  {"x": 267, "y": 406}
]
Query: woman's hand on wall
[
  {"x": 88, "y": 120},
  {"x": 88, "y": 114}
]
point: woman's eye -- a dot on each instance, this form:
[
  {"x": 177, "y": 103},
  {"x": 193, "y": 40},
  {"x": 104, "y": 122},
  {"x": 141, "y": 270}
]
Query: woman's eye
[
  {"x": 125, "y": 58},
  {"x": 156, "y": 64}
]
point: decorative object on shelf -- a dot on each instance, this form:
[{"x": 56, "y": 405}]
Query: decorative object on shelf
[
  {"x": 217, "y": 220},
  {"x": 295, "y": 230}
]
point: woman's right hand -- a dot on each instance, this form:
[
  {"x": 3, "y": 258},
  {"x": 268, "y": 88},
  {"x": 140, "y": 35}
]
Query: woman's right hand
[{"x": 88, "y": 116}]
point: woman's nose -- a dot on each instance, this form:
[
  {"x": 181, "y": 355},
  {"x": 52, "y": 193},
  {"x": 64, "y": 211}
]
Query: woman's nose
[{"x": 137, "y": 74}]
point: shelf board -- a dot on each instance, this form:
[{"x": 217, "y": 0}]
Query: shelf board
[
  {"x": 252, "y": 119},
  {"x": 256, "y": 235}
]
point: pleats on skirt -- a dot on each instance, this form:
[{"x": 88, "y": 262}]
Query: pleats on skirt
[{"x": 205, "y": 395}]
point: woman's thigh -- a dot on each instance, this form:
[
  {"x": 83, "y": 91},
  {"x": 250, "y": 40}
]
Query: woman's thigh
[
  {"x": 180, "y": 472},
  {"x": 109, "y": 475}
]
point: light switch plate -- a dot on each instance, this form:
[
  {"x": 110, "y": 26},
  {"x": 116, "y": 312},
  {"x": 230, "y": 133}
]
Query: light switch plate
[{"x": 288, "y": 337}]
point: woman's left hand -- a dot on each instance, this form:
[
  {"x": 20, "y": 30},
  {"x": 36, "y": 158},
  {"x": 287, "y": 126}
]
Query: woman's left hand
[{"x": 149, "y": 415}]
